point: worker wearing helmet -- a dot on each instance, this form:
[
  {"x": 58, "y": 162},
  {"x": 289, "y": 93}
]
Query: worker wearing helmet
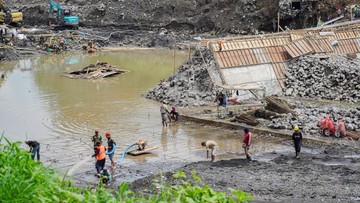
[
  {"x": 247, "y": 143},
  {"x": 96, "y": 138},
  {"x": 297, "y": 138},
  {"x": 111, "y": 149}
]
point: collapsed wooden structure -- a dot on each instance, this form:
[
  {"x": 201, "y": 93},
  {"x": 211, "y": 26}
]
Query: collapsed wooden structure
[
  {"x": 261, "y": 59},
  {"x": 95, "y": 71}
]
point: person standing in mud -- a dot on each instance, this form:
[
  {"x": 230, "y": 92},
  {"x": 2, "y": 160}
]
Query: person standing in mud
[
  {"x": 111, "y": 149},
  {"x": 247, "y": 143},
  {"x": 164, "y": 115},
  {"x": 34, "y": 149},
  {"x": 100, "y": 155},
  {"x": 96, "y": 138},
  {"x": 210, "y": 145},
  {"x": 297, "y": 138}
]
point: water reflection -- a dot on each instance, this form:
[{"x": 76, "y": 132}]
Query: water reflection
[{"x": 49, "y": 105}]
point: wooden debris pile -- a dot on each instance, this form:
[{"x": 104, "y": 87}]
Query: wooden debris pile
[
  {"x": 277, "y": 105},
  {"x": 247, "y": 119},
  {"x": 353, "y": 135},
  {"x": 95, "y": 71}
]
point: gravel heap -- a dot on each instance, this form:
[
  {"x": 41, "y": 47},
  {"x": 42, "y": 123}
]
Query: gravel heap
[
  {"x": 191, "y": 85},
  {"x": 334, "y": 78},
  {"x": 309, "y": 116}
]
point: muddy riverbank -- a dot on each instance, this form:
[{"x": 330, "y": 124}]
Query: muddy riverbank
[{"x": 326, "y": 174}]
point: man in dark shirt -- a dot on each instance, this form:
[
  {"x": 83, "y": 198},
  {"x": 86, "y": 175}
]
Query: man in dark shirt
[
  {"x": 96, "y": 138},
  {"x": 111, "y": 149},
  {"x": 297, "y": 138},
  {"x": 34, "y": 149}
]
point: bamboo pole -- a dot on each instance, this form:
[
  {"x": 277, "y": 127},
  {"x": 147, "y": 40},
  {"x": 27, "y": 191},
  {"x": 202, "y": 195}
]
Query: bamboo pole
[{"x": 278, "y": 21}]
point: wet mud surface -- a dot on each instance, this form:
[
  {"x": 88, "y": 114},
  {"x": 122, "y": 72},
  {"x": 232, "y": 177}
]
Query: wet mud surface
[{"x": 328, "y": 174}]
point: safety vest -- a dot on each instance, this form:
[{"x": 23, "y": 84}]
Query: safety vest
[{"x": 101, "y": 154}]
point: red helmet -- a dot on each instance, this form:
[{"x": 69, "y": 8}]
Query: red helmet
[{"x": 107, "y": 134}]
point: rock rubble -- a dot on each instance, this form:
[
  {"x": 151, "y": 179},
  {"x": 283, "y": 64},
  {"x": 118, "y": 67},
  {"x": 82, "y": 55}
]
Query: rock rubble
[
  {"x": 191, "y": 85},
  {"x": 335, "y": 78},
  {"x": 308, "y": 117}
]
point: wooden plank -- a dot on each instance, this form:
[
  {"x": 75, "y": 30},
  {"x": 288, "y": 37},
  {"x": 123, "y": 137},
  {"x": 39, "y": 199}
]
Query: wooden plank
[
  {"x": 222, "y": 58},
  {"x": 346, "y": 47},
  {"x": 250, "y": 55},
  {"x": 139, "y": 152},
  {"x": 357, "y": 43},
  {"x": 245, "y": 57},
  {"x": 240, "y": 57},
  {"x": 301, "y": 47},
  {"x": 231, "y": 58},
  {"x": 236, "y": 58},
  {"x": 230, "y": 45}
]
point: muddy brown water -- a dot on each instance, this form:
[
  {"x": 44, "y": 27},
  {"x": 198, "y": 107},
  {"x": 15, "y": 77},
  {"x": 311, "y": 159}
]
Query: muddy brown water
[{"x": 36, "y": 102}]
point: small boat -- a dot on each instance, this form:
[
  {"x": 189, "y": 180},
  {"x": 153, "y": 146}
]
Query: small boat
[{"x": 137, "y": 152}]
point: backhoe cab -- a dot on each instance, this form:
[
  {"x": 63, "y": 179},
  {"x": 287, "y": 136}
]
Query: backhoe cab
[{"x": 61, "y": 17}]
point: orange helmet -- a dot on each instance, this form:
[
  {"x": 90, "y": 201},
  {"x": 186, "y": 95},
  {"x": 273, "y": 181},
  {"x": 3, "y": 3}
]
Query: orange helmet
[{"x": 107, "y": 134}]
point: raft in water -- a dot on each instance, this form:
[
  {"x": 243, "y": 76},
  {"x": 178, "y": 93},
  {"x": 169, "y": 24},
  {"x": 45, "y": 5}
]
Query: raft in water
[{"x": 137, "y": 152}]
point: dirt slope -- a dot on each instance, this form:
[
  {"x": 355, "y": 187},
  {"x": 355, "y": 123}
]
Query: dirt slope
[{"x": 237, "y": 16}]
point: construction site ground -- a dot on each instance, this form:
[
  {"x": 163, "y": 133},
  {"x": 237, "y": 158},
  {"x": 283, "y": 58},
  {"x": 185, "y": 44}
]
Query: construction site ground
[{"x": 327, "y": 171}]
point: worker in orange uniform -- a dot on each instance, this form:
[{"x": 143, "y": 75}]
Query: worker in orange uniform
[
  {"x": 220, "y": 45},
  {"x": 100, "y": 155}
]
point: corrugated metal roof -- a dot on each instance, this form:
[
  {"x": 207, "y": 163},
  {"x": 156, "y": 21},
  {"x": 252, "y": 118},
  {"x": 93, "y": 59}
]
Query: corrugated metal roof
[
  {"x": 298, "y": 48},
  {"x": 297, "y": 36},
  {"x": 357, "y": 33},
  {"x": 321, "y": 45},
  {"x": 244, "y": 57},
  {"x": 347, "y": 46},
  {"x": 345, "y": 35},
  {"x": 279, "y": 69},
  {"x": 251, "y": 43}
]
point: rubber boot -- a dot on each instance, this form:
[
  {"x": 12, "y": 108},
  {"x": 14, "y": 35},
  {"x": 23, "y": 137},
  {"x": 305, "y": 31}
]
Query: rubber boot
[
  {"x": 248, "y": 157},
  {"x": 212, "y": 158}
]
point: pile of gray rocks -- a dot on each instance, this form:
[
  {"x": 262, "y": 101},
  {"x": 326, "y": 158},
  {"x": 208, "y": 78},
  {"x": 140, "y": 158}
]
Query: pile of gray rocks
[
  {"x": 308, "y": 117},
  {"x": 190, "y": 86},
  {"x": 334, "y": 78}
]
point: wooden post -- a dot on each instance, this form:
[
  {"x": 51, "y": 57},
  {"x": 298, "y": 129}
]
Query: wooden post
[
  {"x": 278, "y": 23},
  {"x": 174, "y": 58},
  {"x": 189, "y": 52}
]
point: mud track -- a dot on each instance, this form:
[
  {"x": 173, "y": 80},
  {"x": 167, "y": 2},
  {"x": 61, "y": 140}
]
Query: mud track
[{"x": 321, "y": 175}]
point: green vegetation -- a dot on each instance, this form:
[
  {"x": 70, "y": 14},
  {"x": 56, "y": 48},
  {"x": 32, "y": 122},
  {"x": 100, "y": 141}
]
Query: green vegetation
[{"x": 23, "y": 180}]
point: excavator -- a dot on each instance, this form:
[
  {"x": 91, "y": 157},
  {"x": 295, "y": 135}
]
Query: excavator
[
  {"x": 62, "y": 18},
  {"x": 10, "y": 17}
]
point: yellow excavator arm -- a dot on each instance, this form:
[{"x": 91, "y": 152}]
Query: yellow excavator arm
[{"x": 16, "y": 17}]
